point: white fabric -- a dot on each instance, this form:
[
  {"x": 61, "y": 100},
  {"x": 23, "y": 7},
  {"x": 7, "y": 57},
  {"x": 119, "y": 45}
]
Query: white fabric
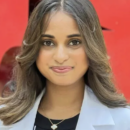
[{"x": 93, "y": 116}]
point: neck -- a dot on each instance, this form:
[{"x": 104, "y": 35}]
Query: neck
[{"x": 61, "y": 99}]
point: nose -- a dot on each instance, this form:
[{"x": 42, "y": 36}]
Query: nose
[{"x": 61, "y": 54}]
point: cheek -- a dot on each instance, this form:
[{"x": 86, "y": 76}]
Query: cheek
[
  {"x": 80, "y": 57},
  {"x": 43, "y": 60},
  {"x": 44, "y": 56},
  {"x": 81, "y": 63}
]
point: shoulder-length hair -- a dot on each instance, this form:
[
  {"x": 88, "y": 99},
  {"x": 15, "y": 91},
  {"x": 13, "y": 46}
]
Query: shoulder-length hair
[{"x": 28, "y": 80}]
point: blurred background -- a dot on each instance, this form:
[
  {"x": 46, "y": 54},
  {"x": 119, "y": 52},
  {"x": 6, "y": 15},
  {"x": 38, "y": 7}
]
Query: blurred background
[{"x": 114, "y": 16}]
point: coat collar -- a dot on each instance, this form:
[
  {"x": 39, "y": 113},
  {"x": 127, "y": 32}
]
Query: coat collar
[{"x": 93, "y": 113}]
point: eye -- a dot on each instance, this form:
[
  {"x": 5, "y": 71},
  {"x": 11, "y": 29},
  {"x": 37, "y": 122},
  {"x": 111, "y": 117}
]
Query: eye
[
  {"x": 47, "y": 43},
  {"x": 75, "y": 42}
]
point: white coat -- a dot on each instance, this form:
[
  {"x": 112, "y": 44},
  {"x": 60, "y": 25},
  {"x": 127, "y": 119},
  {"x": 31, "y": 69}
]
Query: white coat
[{"x": 93, "y": 115}]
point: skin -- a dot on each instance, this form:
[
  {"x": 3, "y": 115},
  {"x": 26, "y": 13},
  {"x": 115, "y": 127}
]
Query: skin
[{"x": 64, "y": 92}]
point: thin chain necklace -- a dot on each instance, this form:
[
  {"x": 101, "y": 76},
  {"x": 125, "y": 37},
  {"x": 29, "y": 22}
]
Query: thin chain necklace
[{"x": 54, "y": 126}]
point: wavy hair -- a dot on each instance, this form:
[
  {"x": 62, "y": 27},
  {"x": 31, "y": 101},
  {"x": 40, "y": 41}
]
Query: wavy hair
[{"x": 29, "y": 82}]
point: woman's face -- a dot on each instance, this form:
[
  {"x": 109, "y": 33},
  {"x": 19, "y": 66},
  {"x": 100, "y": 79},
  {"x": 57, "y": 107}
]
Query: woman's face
[{"x": 62, "y": 47}]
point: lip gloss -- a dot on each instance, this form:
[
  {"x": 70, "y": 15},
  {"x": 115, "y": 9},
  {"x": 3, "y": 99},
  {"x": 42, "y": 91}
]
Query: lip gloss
[{"x": 61, "y": 69}]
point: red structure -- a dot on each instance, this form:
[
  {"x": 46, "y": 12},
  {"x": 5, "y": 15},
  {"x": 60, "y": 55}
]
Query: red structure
[
  {"x": 13, "y": 21},
  {"x": 114, "y": 17}
]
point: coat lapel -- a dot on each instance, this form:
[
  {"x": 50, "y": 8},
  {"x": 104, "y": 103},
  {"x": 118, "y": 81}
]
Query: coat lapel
[
  {"x": 93, "y": 113},
  {"x": 27, "y": 122}
]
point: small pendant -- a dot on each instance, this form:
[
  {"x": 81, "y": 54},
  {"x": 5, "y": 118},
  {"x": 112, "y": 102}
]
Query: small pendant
[{"x": 54, "y": 126}]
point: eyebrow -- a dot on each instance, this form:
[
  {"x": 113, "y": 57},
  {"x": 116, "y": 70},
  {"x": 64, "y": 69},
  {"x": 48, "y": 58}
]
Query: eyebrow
[{"x": 69, "y": 36}]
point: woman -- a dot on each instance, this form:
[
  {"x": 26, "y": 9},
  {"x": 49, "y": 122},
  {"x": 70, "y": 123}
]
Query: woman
[{"x": 63, "y": 80}]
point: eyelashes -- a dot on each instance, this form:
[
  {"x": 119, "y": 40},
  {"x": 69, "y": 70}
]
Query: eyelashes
[
  {"x": 75, "y": 42},
  {"x": 49, "y": 43}
]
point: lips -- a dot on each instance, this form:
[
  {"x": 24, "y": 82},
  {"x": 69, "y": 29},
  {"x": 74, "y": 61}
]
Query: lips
[{"x": 61, "y": 69}]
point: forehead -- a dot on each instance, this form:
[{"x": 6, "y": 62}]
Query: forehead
[{"x": 62, "y": 22}]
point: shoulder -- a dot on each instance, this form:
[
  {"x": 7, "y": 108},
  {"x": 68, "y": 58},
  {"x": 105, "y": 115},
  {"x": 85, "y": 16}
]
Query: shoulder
[
  {"x": 120, "y": 112},
  {"x": 2, "y": 126},
  {"x": 1, "y": 123},
  {"x": 121, "y": 116}
]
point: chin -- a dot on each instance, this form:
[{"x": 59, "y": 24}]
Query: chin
[{"x": 63, "y": 83}]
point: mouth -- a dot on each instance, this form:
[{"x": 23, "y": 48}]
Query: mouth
[{"x": 61, "y": 69}]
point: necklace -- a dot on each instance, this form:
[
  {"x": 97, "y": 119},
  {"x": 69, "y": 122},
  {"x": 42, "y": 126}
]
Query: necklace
[{"x": 54, "y": 126}]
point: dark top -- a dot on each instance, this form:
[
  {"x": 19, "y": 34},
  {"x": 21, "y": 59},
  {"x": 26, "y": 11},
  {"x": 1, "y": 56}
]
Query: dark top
[{"x": 43, "y": 123}]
